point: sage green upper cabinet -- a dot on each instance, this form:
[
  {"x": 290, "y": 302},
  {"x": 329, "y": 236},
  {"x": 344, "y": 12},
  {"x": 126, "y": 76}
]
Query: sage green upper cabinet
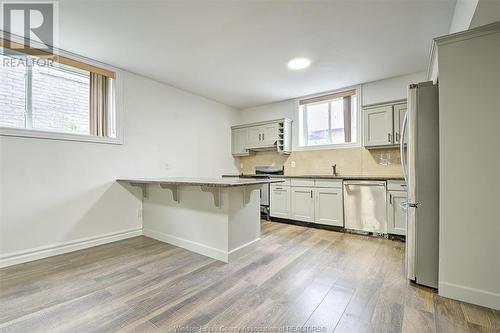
[
  {"x": 262, "y": 136},
  {"x": 378, "y": 126},
  {"x": 399, "y": 115},
  {"x": 254, "y": 136},
  {"x": 239, "y": 138},
  {"x": 382, "y": 124},
  {"x": 267, "y": 135}
]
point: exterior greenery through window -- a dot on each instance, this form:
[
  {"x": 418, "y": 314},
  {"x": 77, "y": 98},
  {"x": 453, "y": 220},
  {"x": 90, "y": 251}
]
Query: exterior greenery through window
[{"x": 329, "y": 120}]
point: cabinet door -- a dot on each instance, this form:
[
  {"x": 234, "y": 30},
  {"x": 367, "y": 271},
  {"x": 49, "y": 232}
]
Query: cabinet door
[
  {"x": 378, "y": 126},
  {"x": 254, "y": 136},
  {"x": 269, "y": 134},
  {"x": 396, "y": 216},
  {"x": 399, "y": 116},
  {"x": 239, "y": 141},
  {"x": 280, "y": 201},
  {"x": 328, "y": 205},
  {"x": 302, "y": 204}
]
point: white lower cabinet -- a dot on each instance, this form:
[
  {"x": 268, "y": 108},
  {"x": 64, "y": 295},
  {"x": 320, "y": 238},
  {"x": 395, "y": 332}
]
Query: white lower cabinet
[
  {"x": 322, "y": 205},
  {"x": 302, "y": 204},
  {"x": 396, "y": 216},
  {"x": 328, "y": 206},
  {"x": 280, "y": 201}
]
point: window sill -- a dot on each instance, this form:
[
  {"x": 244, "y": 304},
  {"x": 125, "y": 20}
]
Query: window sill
[
  {"x": 37, "y": 134},
  {"x": 329, "y": 147}
]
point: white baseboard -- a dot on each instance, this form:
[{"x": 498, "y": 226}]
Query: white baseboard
[
  {"x": 188, "y": 245},
  {"x": 243, "y": 249},
  {"x": 470, "y": 295},
  {"x": 20, "y": 257}
]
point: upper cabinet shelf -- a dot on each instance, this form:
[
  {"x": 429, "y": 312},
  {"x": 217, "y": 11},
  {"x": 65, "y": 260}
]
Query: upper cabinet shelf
[
  {"x": 267, "y": 135},
  {"x": 382, "y": 124}
]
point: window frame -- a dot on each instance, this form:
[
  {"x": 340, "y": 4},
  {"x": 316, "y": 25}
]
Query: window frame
[
  {"x": 116, "y": 97},
  {"x": 302, "y": 122}
]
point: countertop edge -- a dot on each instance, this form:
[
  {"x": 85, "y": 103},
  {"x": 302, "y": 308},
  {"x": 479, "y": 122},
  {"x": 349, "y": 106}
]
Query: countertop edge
[
  {"x": 342, "y": 177},
  {"x": 208, "y": 183}
]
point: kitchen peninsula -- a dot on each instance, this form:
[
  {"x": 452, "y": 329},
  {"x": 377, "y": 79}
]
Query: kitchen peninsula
[{"x": 215, "y": 217}]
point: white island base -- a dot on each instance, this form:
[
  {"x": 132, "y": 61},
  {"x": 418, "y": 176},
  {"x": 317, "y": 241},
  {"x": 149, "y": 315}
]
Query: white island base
[{"x": 220, "y": 221}]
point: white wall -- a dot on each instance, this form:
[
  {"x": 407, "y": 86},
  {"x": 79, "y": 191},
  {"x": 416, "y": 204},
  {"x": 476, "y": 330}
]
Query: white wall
[
  {"x": 372, "y": 92},
  {"x": 54, "y": 192},
  {"x": 487, "y": 11},
  {"x": 462, "y": 15},
  {"x": 469, "y": 116},
  {"x": 390, "y": 89}
]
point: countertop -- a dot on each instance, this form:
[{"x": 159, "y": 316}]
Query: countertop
[
  {"x": 346, "y": 177},
  {"x": 213, "y": 182}
]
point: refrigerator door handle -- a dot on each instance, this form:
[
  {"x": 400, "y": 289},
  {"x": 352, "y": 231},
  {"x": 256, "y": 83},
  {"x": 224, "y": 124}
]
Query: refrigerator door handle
[{"x": 402, "y": 147}]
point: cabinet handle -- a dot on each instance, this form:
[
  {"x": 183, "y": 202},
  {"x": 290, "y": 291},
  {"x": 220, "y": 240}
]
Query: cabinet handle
[
  {"x": 389, "y": 137},
  {"x": 397, "y": 136},
  {"x": 259, "y": 136},
  {"x": 311, "y": 194},
  {"x": 263, "y": 136},
  {"x": 390, "y": 199}
]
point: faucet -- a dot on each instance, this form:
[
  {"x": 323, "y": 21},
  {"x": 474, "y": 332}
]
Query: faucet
[{"x": 334, "y": 169}]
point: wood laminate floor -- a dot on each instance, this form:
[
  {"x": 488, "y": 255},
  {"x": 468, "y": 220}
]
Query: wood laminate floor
[{"x": 298, "y": 277}]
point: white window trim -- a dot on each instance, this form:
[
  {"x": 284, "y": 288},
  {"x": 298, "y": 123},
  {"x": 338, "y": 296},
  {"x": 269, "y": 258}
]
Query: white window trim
[
  {"x": 117, "y": 91},
  {"x": 359, "y": 124}
]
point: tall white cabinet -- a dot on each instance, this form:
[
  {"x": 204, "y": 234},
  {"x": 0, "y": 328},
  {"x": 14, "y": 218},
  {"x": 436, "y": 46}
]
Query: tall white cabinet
[{"x": 469, "y": 111}]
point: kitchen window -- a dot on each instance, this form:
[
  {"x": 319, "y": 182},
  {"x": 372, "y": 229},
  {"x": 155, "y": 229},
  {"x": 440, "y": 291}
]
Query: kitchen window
[
  {"x": 55, "y": 97},
  {"x": 329, "y": 120}
]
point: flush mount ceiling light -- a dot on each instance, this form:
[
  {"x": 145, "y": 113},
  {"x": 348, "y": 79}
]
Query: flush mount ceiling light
[{"x": 299, "y": 63}]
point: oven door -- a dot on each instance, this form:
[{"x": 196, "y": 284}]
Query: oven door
[{"x": 264, "y": 195}]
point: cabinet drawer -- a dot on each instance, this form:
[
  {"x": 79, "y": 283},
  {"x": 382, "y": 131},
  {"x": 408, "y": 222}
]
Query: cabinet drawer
[
  {"x": 285, "y": 183},
  {"x": 396, "y": 185},
  {"x": 335, "y": 183},
  {"x": 302, "y": 182}
]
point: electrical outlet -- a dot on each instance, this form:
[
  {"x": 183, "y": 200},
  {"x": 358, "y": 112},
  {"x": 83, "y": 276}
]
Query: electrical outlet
[
  {"x": 241, "y": 165},
  {"x": 293, "y": 164},
  {"x": 139, "y": 214}
]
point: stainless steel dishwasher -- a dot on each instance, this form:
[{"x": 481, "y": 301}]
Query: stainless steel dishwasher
[{"x": 365, "y": 205}]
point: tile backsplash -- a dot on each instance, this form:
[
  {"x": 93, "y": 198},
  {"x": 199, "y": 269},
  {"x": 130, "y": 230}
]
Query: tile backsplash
[{"x": 349, "y": 161}]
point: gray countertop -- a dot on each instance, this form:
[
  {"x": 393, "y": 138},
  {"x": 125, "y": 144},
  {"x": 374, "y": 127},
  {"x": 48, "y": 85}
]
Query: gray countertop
[
  {"x": 347, "y": 177},
  {"x": 215, "y": 182}
]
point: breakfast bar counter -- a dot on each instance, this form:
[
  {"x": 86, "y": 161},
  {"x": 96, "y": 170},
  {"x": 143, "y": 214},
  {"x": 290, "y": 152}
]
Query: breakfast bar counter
[{"x": 216, "y": 217}]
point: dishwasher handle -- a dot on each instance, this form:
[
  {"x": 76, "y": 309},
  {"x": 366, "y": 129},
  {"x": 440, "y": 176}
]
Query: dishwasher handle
[{"x": 364, "y": 184}]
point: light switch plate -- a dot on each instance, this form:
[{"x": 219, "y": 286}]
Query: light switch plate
[{"x": 293, "y": 164}]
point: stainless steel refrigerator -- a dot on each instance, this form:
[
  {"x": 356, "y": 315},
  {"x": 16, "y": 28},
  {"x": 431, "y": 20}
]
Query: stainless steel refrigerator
[{"x": 420, "y": 160}]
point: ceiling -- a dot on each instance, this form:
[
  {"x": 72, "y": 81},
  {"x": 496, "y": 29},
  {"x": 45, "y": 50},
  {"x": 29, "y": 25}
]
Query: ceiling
[{"x": 235, "y": 52}]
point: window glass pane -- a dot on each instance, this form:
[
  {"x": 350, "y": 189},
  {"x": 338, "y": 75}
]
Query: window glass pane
[
  {"x": 12, "y": 92},
  {"x": 323, "y": 123},
  {"x": 317, "y": 124},
  {"x": 354, "y": 120},
  {"x": 337, "y": 121},
  {"x": 60, "y": 99}
]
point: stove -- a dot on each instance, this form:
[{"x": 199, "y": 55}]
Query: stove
[{"x": 265, "y": 192}]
